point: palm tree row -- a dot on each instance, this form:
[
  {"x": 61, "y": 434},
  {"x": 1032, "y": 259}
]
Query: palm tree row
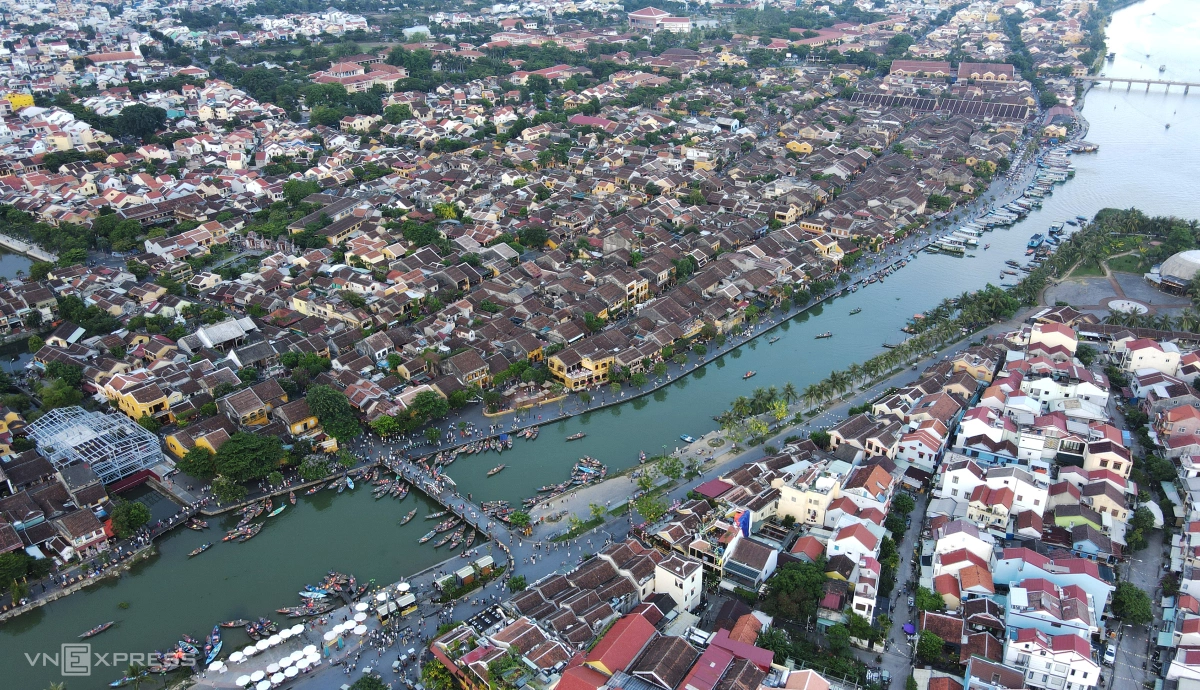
[{"x": 1188, "y": 321}]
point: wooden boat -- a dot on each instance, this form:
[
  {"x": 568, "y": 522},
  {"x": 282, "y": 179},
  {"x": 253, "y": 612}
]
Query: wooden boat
[
  {"x": 855, "y": 311},
  {"x": 349, "y": 482},
  {"x": 447, "y": 525},
  {"x": 427, "y": 537},
  {"x": 97, "y": 630},
  {"x": 826, "y": 334},
  {"x": 199, "y": 550},
  {"x": 496, "y": 470},
  {"x": 254, "y": 529},
  {"x": 687, "y": 439},
  {"x": 196, "y": 524},
  {"x": 434, "y": 516},
  {"x": 576, "y": 437},
  {"x": 411, "y": 514},
  {"x": 277, "y": 511},
  {"x": 773, "y": 340},
  {"x": 748, "y": 374},
  {"x": 292, "y": 497},
  {"x": 237, "y": 623},
  {"x": 442, "y": 542}
]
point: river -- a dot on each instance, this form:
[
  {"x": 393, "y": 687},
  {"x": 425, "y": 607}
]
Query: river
[{"x": 1140, "y": 163}]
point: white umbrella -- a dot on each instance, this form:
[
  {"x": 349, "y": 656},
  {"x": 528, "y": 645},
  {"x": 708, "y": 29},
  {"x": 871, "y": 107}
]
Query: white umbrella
[
  {"x": 277, "y": 679},
  {"x": 298, "y": 655},
  {"x": 403, "y": 587},
  {"x": 313, "y": 660},
  {"x": 242, "y": 680},
  {"x": 309, "y": 650},
  {"x": 360, "y": 617},
  {"x": 273, "y": 668},
  {"x": 292, "y": 672},
  {"x": 237, "y": 657},
  {"x": 360, "y": 630},
  {"x": 297, "y": 629},
  {"x": 262, "y": 645},
  {"x": 285, "y": 633},
  {"x": 216, "y": 666},
  {"x": 274, "y": 640},
  {"x": 331, "y": 635},
  {"x": 303, "y": 664},
  {"x": 263, "y": 685},
  {"x": 382, "y": 596},
  {"x": 257, "y": 676},
  {"x": 360, "y": 606},
  {"x": 285, "y": 662},
  {"x": 250, "y": 651}
]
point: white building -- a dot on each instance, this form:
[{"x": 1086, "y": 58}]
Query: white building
[{"x": 1052, "y": 662}]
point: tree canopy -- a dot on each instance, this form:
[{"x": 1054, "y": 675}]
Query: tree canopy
[{"x": 334, "y": 412}]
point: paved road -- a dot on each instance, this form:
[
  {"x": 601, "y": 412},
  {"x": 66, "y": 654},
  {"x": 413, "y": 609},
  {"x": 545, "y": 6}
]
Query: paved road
[{"x": 1132, "y": 665}]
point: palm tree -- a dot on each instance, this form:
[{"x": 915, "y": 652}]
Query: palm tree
[
  {"x": 812, "y": 394},
  {"x": 790, "y": 395},
  {"x": 840, "y": 381},
  {"x": 855, "y": 374},
  {"x": 1188, "y": 320},
  {"x": 741, "y": 406},
  {"x": 137, "y": 673}
]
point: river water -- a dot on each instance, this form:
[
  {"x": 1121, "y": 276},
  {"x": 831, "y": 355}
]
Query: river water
[{"x": 1140, "y": 163}]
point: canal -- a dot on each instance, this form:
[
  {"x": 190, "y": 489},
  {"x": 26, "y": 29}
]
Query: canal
[{"x": 1140, "y": 163}]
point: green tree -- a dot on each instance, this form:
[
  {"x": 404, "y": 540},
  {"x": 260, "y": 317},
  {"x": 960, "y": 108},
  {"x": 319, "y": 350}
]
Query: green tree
[
  {"x": 671, "y": 467},
  {"x": 838, "y": 637},
  {"x": 821, "y": 438},
  {"x": 140, "y": 120},
  {"x": 59, "y": 394},
  {"x": 929, "y": 647},
  {"x": 246, "y": 456},
  {"x": 929, "y": 600},
  {"x": 333, "y": 411},
  {"x": 370, "y": 682},
  {"x": 650, "y": 507},
  {"x": 428, "y": 406},
  {"x": 903, "y": 503},
  {"x": 34, "y": 344},
  {"x": 795, "y": 589},
  {"x": 149, "y": 423},
  {"x": 435, "y": 676},
  {"x": 1131, "y": 604},
  {"x": 1086, "y": 354},
  {"x": 516, "y": 583},
  {"x": 198, "y": 462},
  {"x": 128, "y": 517}
]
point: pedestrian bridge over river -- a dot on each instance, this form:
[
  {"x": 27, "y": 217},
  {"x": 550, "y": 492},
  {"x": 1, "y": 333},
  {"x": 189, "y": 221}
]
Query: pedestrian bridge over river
[{"x": 1167, "y": 83}]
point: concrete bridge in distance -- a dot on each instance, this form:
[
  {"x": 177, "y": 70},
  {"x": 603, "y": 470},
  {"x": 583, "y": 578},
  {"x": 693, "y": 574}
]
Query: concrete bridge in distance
[{"x": 1167, "y": 83}]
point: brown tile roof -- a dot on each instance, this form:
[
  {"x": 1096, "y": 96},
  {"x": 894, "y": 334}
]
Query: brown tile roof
[{"x": 665, "y": 661}]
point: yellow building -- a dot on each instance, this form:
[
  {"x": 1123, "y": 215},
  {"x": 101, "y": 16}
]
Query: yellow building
[
  {"x": 576, "y": 371},
  {"x": 19, "y": 100}
]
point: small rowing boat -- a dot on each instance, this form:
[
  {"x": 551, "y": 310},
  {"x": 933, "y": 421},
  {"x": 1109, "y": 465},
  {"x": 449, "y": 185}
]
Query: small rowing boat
[
  {"x": 97, "y": 630},
  {"x": 197, "y": 524},
  {"x": 434, "y": 516},
  {"x": 314, "y": 489},
  {"x": 855, "y": 311},
  {"x": 748, "y": 374},
  {"x": 427, "y": 537},
  {"x": 826, "y": 334},
  {"x": 277, "y": 511},
  {"x": 576, "y": 437},
  {"x": 199, "y": 550},
  {"x": 773, "y": 340},
  {"x": 496, "y": 470},
  {"x": 236, "y": 623},
  {"x": 292, "y": 497},
  {"x": 411, "y": 514}
]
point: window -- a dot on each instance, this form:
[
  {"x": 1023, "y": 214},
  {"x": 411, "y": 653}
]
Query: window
[{"x": 954, "y": 479}]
